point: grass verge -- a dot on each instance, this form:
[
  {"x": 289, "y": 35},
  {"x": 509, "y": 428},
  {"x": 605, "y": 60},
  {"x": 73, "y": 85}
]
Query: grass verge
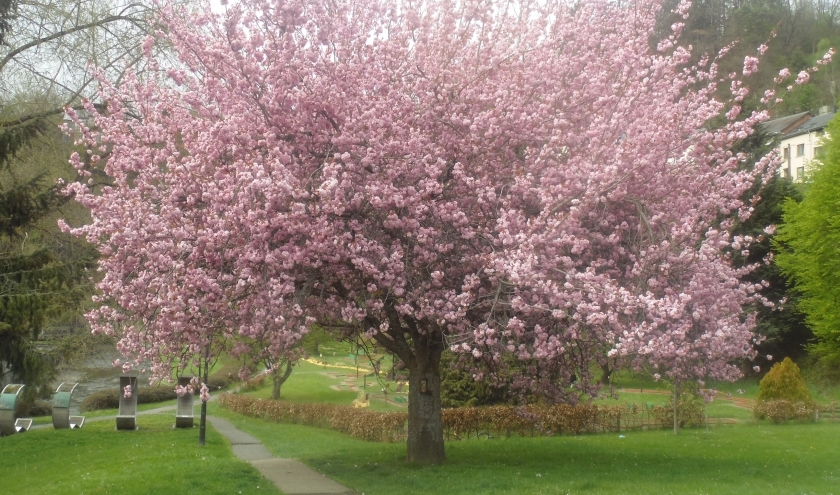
[{"x": 98, "y": 460}]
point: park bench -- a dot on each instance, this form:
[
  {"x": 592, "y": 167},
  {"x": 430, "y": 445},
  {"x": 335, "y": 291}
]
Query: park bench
[
  {"x": 61, "y": 417},
  {"x": 127, "y": 417},
  {"x": 184, "y": 416},
  {"x": 8, "y": 401}
]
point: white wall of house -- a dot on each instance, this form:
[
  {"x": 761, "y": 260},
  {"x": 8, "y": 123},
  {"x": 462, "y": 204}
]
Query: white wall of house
[{"x": 798, "y": 151}]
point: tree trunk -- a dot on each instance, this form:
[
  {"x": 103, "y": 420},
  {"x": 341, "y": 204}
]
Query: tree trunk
[
  {"x": 421, "y": 355},
  {"x": 676, "y": 408},
  {"x": 202, "y": 424},
  {"x": 278, "y": 379},
  {"x": 425, "y": 426},
  {"x": 606, "y": 373}
]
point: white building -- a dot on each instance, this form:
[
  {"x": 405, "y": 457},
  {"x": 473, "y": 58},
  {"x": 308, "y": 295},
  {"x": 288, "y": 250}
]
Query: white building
[{"x": 800, "y": 141}]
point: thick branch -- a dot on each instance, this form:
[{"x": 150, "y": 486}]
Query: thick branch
[{"x": 81, "y": 27}]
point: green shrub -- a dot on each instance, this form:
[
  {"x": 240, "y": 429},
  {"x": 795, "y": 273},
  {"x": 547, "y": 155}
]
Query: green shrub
[
  {"x": 254, "y": 383},
  {"x": 218, "y": 382},
  {"x": 102, "y": 399},
  {"x": 784, "y": 382},
  {"x": 458, "y": 388},
  {"x": 34, "y": 409},
  {"x": 691, "y": 408},
  {"x": 783, "y": 395},
  {"x": 110, "y": 399},
  {"x": 780, "y": 410}
]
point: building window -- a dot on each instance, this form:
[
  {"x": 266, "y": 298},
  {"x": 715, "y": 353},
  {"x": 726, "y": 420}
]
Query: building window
[
  {"x": 800, "y": 149},
  {"x": 800, "y": 173},
  {"x": 786, "y": 173},
  {"x": 786, "y": 153},
  {"x": 819, "y": 152}
]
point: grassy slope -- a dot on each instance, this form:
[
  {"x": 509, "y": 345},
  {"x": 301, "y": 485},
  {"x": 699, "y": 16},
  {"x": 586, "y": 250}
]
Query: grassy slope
[
  {"x": 308, "y": 383},
  {"x": 100, "y": 460}
]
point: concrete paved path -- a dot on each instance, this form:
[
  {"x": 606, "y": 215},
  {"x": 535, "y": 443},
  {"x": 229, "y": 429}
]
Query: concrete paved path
[{"x": 291, "y": 476}]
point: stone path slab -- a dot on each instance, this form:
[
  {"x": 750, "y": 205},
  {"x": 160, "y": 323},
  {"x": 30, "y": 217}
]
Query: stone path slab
[
  {"x": 291, "y": 476},
  {"x": 252, "y": 452}
]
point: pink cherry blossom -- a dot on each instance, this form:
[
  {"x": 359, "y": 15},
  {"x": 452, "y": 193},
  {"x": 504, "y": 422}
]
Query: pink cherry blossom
[
  {"x": 533, "y": 186},
  {"x": 802, "y": 77},
  {"x": 750, "y": 65},
  {"x": 204, "y": 393}
]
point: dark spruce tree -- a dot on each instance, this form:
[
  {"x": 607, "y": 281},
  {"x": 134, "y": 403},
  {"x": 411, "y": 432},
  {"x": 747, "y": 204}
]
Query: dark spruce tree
[
  {"x": 782, "y": 326},
  {"x": 43, "y": 273}
]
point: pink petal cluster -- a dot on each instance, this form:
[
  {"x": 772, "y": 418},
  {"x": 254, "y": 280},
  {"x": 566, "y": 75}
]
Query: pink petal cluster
[
  {"x": 204, "y": 393},
  {"x": 127, "y": 391},
  {"x": 535, "y": 187},
  {"x": 750, "y": 65},
  {"x": 802, "y": 77}
]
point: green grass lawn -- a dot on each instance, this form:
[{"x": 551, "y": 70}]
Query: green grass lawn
[
  {"x": 97, "y": 459},
  {"x": 750, "y": 458},
  {"x": 744, "y": 459}
]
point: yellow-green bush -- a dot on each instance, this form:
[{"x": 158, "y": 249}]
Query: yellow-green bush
[
  {"x": 784, "y": 382},
  {"x": 783, "y": 395}
]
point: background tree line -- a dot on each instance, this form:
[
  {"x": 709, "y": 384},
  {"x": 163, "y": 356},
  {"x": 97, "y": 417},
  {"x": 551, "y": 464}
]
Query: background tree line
[{"x": 797, "y": 32}]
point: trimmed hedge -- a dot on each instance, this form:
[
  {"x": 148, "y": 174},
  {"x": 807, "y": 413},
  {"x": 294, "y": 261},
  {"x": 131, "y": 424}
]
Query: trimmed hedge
[
  {"x": 457, "y": 422},
  {"x": 359, "y": 423}
]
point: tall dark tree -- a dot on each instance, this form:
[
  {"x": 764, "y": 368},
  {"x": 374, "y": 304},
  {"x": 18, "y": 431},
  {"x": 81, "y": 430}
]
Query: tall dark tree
[
  {"x": 782, "y": 325},
  {"x": 40, "y": 275}
]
